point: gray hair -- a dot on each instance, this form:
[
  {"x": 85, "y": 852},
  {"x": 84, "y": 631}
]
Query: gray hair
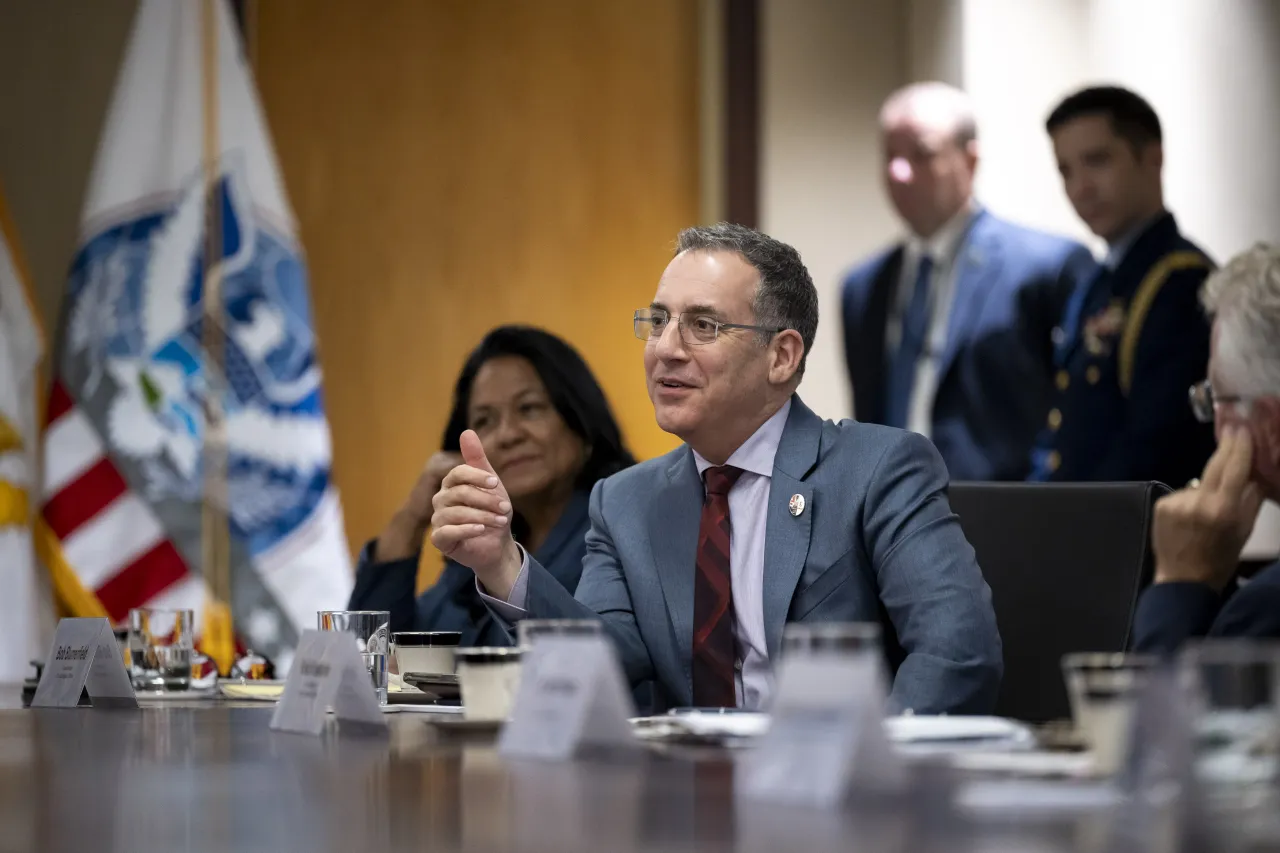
[
  {"x": 1244, "y": 297},
  {"x": 938, "y": 105},
  {"x": 785, "y": 297}
]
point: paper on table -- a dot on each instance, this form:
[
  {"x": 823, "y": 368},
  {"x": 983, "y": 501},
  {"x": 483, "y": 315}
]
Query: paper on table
[
  {"x": 1027, "y": 798},
  {"x": 447, "y": 710},
  {"x": 917, "y": 729}
]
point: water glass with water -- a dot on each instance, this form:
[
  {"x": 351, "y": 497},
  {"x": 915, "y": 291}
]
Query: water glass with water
[
  {"x": 1235, "y": 690},
  {"x": 528, "y": 631},
  {"x": 160, "y": 648},
  {"x": 831, "y": 638},
  {"x": 371, "y": 628}
]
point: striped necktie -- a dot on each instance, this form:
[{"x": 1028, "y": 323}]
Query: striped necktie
[{"x": 714, "y": 652}]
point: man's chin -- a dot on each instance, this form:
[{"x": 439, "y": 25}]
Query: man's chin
[{"x": 672, "y": 419}]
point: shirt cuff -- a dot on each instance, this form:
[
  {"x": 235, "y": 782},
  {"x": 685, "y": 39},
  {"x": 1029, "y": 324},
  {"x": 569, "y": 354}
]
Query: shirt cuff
[{"x": 513, "y": 608}]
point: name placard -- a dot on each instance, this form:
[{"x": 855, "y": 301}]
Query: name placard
[
  {"x": 572, "y": 695},
  {"x": 84, "y": 657},
  {"x": 827, "y": 738},
  {"x": 327, "y": 672}
]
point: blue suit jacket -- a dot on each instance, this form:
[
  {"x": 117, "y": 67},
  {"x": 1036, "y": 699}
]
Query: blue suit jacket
[
  {"x": 995, "y": 375},
  {"x": 877, "y": 542},
  {"x": 452, "y": 603},
  {"x": 1169, "y": 614}
]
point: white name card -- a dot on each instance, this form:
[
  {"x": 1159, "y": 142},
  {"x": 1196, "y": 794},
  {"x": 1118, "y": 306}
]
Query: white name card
[
  {"x": 84, "y": 656},
  {"x": 572, "y": 695},
  {"x": 327, "y": 672},
  {"x": 827, "y": 739}
]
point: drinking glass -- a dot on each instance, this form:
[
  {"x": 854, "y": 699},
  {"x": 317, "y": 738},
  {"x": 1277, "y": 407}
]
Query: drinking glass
[
  {"x": 160, "y": 647},
  {"x": 1102, "y": 688},
  {"x": 371, "y": 628},
  {"x": 1235, "y": 690},
  {"x": 529, "y": 630},
  {"x": 831, "y": 638}
]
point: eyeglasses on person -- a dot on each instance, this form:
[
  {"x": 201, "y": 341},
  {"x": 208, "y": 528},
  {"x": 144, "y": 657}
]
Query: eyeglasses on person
[
  {"x": 1205, "y": 401},
  {"x": 695, "y": 329}
]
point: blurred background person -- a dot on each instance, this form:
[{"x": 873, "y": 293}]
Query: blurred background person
[
  {"x": 949, "y": 333},
  {"x": 548, "y": 429},
  {"x": 1199, "y": 532},
  {"x": 1134, "y": 338}
]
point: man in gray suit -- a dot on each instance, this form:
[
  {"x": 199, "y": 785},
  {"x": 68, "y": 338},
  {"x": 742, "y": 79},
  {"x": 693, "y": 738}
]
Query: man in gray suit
[{"x": 766, "y": 515}]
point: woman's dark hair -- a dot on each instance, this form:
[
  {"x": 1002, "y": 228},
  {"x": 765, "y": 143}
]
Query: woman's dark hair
[{"x": 572, "y": 387}]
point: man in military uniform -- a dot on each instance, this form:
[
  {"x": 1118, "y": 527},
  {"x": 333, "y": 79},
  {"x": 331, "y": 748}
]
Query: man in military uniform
[{"x": 1134, "y": 339}]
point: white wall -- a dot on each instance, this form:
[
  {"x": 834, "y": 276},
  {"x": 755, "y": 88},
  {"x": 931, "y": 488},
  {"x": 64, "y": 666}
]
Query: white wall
[
  {"x": 1019, "y": 59},
  {"x": 827, "y": 65}
]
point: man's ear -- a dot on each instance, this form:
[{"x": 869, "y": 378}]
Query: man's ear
[
  {"x": 787, "y": 351},
  {"x": 1265, "y": 426}
]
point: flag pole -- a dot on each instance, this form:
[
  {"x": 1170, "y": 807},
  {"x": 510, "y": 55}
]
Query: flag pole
[{"x": 219, "y": 637}]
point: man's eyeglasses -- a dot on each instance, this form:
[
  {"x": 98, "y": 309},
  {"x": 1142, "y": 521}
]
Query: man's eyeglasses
[
  {"x": 1204, "y": 402},
  {"x": 695, "y": 329}
]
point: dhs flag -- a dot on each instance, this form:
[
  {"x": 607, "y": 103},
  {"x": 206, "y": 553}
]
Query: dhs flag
[{"x": 123, "y": 460}]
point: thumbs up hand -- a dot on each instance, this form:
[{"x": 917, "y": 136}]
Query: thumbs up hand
[{"x": 471, "y": 524}]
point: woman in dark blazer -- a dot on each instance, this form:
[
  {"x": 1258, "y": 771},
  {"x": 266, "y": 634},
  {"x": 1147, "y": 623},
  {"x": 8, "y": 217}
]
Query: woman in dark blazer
[{"x": 547, "y": 428}]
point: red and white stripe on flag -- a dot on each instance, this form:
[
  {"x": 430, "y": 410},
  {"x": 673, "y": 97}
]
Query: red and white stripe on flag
[{"x": 111, "y": 536}]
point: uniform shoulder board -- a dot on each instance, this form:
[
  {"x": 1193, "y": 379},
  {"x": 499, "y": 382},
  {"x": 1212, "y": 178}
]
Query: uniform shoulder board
[{"x": 1148, "y": 290}]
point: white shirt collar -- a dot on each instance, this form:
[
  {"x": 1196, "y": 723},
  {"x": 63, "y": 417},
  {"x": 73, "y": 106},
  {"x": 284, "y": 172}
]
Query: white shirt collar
[
  {"x": 1117, "y": 250},
  {"x": 757, "y": 452},
  {"x": 942, "y": 246}
]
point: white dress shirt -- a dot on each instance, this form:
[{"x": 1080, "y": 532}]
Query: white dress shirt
[
  {"x": 944, "y": 249},
  {"x": 748, "y": 508},
  {"x": 1117, "y": 250}
]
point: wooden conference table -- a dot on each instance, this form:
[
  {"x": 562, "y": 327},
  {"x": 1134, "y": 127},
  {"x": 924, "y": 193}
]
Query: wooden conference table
[{"x": 212, "y": 776}]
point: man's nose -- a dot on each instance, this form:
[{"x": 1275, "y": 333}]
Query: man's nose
[
  {"x": 900, "y": 171},
  {"x": 670, "y": 344}
]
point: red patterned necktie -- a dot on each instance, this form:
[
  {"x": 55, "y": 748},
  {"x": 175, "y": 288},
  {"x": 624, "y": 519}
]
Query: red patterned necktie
[{"x": 714, "y": 653}]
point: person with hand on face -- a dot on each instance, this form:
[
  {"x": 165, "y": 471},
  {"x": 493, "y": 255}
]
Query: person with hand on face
[
  {"x": 765, "y": 515},
  {"x": 544, "y": 422},
  {"x": 1199, "y": 531}
]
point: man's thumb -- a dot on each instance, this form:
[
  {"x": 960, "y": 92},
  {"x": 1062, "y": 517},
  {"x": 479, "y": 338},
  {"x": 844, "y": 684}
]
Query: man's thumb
[{"x": 473, "y": 451}]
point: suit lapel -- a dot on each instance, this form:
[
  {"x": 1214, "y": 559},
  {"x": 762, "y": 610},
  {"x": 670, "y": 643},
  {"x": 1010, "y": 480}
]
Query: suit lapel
[
  {"x": 869, "y": 374},
  {"x": 673, "y": 536},
  {"x": 786, "y": 543},
  {"x": 977, "y": 264}
]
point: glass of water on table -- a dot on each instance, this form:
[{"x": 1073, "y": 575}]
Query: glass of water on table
[
  {"x": 160, "y": 646},
  {"x": 372, "y": 631},
  {"x": 1234, "y": 687}
]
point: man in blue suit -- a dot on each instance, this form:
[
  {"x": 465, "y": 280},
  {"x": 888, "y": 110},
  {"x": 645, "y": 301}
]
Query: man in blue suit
[
  {"x": 949, "y": 333},
  {"x": 1199, "y": 532},
  {"x": 766, "y": 515}
]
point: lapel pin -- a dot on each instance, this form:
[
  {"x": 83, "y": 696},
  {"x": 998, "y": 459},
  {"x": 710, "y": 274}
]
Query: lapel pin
[{"x": 796, "y": 505}]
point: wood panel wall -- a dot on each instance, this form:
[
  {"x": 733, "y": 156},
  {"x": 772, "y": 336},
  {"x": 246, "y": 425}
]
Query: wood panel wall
[{"x": 458, "y": 164}]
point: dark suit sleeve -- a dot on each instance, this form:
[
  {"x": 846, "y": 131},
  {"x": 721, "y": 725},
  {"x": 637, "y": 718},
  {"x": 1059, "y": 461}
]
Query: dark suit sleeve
[
  {"x": 1254, "y": 611},
  {"x": 1169, "y": 614},
  {"x": 931, "y": 586},
  {"x": 602, "y": 594},
  {"x": 1162, "y": 439},
  {"x": 386, "y": 586}
]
